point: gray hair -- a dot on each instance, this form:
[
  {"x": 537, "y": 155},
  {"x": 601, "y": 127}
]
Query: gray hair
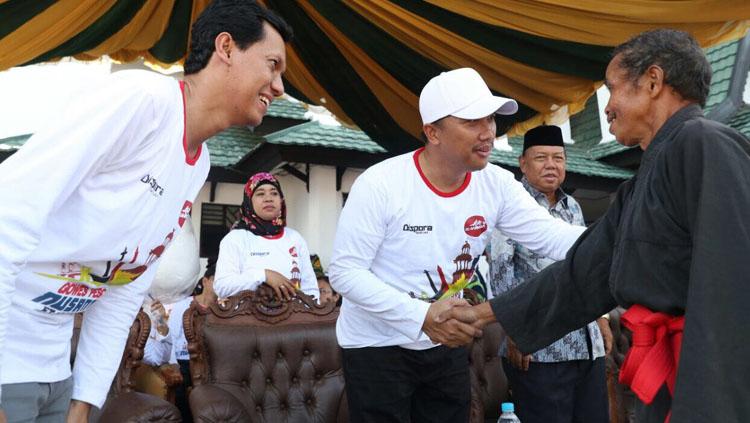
[{"x": 685, "y": 66}]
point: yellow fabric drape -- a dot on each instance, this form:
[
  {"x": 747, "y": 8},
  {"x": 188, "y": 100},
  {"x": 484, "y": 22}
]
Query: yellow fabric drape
[
  {"x": 195, "y": 11},
  {"x": 398, "y": 100},
  {"x": 49, "y": 29},
  {"x": 66, "y": 18},
  {"x": 545, "y": 92},
  {"x": 298, "y": 74},
  {"x": 609, "y": 23},
  {"x": 140, "y": 34}
]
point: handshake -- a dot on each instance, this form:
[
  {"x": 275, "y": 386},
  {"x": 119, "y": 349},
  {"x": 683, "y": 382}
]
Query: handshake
[{"x": 454, "y": 322}]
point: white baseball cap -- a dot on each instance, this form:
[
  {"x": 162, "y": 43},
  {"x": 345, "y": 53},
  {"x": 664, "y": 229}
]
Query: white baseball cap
[{"x": 461, "y": 93}]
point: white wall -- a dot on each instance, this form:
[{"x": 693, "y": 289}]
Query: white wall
[
  {"x": 313, "y": 214},
  {"x": 602, "y": 97}
]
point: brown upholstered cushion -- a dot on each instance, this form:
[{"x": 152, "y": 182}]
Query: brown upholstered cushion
[
  {"x": 267, "y": 360},
  {"x": 289, "y": 372}
]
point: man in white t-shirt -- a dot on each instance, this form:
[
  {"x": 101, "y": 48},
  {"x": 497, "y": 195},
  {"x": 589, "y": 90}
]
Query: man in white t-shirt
[
  {"x": 409, "y": 239},
  {"x": 91, "y": 202}
]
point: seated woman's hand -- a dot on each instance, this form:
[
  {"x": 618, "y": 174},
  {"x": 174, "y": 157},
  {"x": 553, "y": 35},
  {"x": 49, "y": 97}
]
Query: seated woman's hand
[{"x": 283, "y": 288}]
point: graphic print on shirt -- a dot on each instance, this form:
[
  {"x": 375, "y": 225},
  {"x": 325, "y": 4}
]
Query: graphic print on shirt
[
  {"x": 465, "y": 266},
  {"x": 295, "y": 277},
  {"x": 83, "y": 287}
]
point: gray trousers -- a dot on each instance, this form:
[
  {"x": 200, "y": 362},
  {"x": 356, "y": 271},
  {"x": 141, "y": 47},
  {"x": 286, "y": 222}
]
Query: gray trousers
[{"x": 37, "y": 402}]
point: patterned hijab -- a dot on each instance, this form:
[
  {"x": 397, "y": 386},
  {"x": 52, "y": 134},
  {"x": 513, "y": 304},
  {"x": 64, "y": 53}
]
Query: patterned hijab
[{"x": 249, "y": 220}]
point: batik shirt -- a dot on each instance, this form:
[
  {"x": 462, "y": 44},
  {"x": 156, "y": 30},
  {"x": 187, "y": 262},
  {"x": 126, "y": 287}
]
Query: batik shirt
[{"x": 512, "y": 264}]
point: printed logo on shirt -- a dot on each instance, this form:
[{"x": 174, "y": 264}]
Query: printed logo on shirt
[
  {"x": 475, "y": 226},
  {"x": 293, "y": 251},
  {"x": 185, "y": 212},
  {"x": 259, "y": 253},
  {"x": 156, "y": 189},
  {"x": 417, "y": 229},
  {"x": 117, "y": 274},
  {"x": 70, "y": 298}
]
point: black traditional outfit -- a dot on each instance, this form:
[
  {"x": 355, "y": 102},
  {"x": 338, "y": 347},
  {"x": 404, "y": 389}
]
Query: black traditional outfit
[{"x": 676, "y": 241}]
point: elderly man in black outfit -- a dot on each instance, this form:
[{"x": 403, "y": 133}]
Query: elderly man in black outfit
[{"x": 673, "y": 247}]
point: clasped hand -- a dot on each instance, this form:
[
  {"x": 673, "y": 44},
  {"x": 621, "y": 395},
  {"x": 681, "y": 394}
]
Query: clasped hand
[{"x": 443, "y": 329}]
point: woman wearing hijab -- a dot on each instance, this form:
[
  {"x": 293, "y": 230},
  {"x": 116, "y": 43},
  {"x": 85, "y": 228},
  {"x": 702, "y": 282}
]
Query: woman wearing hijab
[{"x": 261, "y": 249}]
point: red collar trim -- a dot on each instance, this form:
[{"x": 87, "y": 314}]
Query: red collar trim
[
  {"x": 189, "y": 160},
  {"x": 454, "y": 193},
  {"x": 277, "y": 236}
]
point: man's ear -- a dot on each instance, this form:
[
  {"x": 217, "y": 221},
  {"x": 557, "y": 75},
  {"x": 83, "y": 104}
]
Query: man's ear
[
  {"x": 522, "y": 162},
  {"x": 223, "y": 47},
  {"x": 654, "y": 80},
  {"x": 432, "y": 133}
]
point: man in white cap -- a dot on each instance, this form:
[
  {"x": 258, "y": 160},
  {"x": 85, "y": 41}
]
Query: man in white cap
[{"x": 409, "y": 239}]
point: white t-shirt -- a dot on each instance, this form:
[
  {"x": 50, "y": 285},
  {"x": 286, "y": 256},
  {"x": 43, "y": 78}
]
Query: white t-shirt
[
  {"x": 400, "y": 239},
  {"x": 87, "y": 206},
  {"x": 244, "y": 256},
  {"x": 177, "y": 330}
]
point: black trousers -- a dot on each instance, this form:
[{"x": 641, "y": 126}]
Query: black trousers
[
  {"x": 565, "y": 392},
  {"x": 393, "y": 384}
]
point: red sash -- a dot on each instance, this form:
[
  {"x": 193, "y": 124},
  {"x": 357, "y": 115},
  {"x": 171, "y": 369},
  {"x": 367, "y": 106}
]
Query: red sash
[{"x": 654, "y": 353}]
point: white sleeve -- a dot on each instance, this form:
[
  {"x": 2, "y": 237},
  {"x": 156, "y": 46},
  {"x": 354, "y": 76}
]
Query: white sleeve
[
  {"x": 309, "y": 281},
  {"x": 158, "y": 348},
  {"x": 361, "y": 230},
  {"x": 39, "y": 177},
  {"x": 229, "y": 278},
  {"x": 522, "y": 219},
  {"x": 176, "y": 331},
  {"x": 173, "y": 354},
  {"x": 105, "y": 329},
  {"x": 178, "y": 341}
]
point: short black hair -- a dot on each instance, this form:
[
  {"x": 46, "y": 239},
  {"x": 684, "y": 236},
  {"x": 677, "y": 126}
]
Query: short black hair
[
  {"x": 243, "y": 19},
  {"x": 685, "y": 66}
]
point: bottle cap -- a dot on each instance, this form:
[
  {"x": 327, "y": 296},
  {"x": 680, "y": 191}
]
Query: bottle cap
[{"x": 507, "y": 407}]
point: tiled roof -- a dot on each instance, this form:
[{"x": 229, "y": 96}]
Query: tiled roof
[
  {"x": 13, "y": 143},
  {"x": 314, "y": 134},
  {"x": 722, "y": 58},
  {"x": 606, "y": 149},
  {"x": 231, "y": 145},
  {"x": 285, "y": 108},
  {"x": 577, "y": 162},
  {"x": 741, "y": 120},
  {"x": 584, "y": 126}
]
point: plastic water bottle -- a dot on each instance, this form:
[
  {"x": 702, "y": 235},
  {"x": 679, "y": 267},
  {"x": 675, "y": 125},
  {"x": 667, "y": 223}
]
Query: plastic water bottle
[{"x": 508, "y": 415}]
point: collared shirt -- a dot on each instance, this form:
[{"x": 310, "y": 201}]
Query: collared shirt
[{"x": 512, "y": 264}]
